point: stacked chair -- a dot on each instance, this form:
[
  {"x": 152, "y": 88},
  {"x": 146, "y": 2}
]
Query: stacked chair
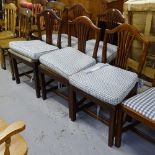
[
  {"x": 23, "y": 33},
  {"x": 105, "y": 85}
]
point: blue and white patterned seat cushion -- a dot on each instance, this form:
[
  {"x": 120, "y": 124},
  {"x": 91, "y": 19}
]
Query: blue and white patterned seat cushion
[
  {"x": 32, "y": 49},
  {"x": 67, "y": 61},
  {"x": 143, "y": 103},
  {"x": 111, "y": 50},
  {"x": 64, "y": 40},
  {"x": 105, "y": 82}
]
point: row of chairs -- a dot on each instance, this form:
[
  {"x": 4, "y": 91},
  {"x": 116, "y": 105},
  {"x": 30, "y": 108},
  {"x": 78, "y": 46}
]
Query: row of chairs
[{"x": 105, "y": 85}]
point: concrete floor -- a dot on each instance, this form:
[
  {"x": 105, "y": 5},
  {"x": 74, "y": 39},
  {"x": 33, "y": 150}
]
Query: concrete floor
[{"x": 49, "y": 130}]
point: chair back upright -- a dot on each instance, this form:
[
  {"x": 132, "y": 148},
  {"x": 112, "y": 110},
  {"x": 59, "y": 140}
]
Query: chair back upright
[
  {"x": 82, "y": 27},
  {"x": 10, "y": 16},
  {"x": 49, "y": 17},
  {"x": 25, "y": 22},
  {"x": 126, "y": 34}
]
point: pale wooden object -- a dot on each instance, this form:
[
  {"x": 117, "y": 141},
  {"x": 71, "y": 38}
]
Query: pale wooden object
[
  {"x": 145, "y": 10},
  {"x": 11, "y": 143},
  {"x": 141, "y": 14}
]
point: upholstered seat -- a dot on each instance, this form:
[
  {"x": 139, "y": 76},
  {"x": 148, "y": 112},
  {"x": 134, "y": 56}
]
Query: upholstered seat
[
  {"x": 66, "y": 61},
  {"x": 111, "y": 50},
  {"x": 32, "y": 49},
  {"x": 64, "y": 40},
  {"x": 143, "y": 103},
  {"x": 105, "y": 82}
]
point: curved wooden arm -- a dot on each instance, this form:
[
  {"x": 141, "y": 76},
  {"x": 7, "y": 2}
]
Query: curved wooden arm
[{"x": 11, "y": 130}]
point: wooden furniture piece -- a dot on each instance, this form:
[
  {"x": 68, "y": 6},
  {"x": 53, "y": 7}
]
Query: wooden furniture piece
[
  {"x": 9, "y": 27},
  {"x": 105, "y": 85},
  {"x": 24, "y": 28},
  {"x": 97, "y": 6},
  {"x": 141, "y": 108},
  {"x": 141, "y": 14},
  {"x": 60, "y": 64},
  {"x": 109, "y": 20},
  {"x": 11, "y": 143},
  {"x": 29, "y": 52}
]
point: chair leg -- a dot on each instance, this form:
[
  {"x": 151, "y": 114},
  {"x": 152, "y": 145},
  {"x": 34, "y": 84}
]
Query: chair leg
[
  {"x": 112, "y": 126},
  {"x": 119, "y": 127},
  {"x": 72, "y": 104},
  {"x": 43, "y": 86},
  {"x": 11, "y": 67},
  {"x": 3, "y": 63},
  {"x": 16, "y": 73},
  {"x": 36, "y": 79}
]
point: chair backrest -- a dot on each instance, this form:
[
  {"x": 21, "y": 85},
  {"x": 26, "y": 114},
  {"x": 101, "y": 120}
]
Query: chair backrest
[
  {"x": 83, "y": 26},
  {"x": 78, "y": 10},
  {"x": 126, "y": 34},
  {"x": 10, "y": 16},
  {"x": 108, "y": 20},
  {"x": 49, "y": 17},
  {"x": 25, "y": 22}
]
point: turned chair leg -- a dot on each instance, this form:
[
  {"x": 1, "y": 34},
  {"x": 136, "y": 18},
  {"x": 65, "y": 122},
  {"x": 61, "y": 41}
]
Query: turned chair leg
[
  {"x": 112, "y": 126},
  {"x": 36, "y": 79},
  {"x": 43, "y": 86},
  {"x": 72, "y": 104},
  {"x": 15, "y": 67}
]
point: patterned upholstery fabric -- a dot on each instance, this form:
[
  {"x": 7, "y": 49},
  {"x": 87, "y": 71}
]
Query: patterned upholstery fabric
[
  {"x": 143, "y": 103},
  {"x": 64, "y": 40},
  {"x": 32, "y": 49},
  {"x": 67, "y": 61},
  {"x": 105, "y": 82},
  {"x": 111, "y": 50}
]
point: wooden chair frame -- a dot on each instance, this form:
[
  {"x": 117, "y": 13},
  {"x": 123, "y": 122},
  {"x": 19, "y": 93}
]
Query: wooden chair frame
[
  {"x": 120, "y": 61},
  {"x": 49, "y": 17},
  {"x": 10, "y": 16},
  {"x": 86, "y": 25},
  {"x": 123, "y": 109}
]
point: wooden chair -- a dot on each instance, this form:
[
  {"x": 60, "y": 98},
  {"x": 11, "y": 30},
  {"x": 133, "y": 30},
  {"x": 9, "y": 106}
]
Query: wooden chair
[
  {"x": 9, "y": 21},
  {"x": 11, "y": 143},
  {"x": 141, "y": 108},
  {"x": 24, "y": 16},
  {"x": 105, "y": 85},
  {"x": 9, "y": 27},
  {"x": 59, "y": 65},
  {"x": 109, "y": 20},
  {"x": 29, "y": 52}
]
